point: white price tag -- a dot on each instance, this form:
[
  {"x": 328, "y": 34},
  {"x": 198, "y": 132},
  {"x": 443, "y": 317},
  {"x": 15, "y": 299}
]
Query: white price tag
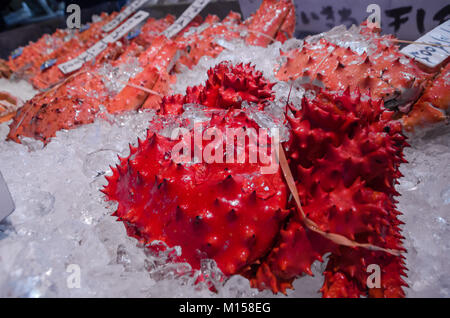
[
  {"x": 71, "y": 65},
  {"x": 123, "y": 15},
  {"x": 190, "y": 13},
  {"x": 6, "y": 202},
  {"x": 97, "y": 48},
  {"x": 126, "y": 26},
  {"x": 428, "y": 55}
]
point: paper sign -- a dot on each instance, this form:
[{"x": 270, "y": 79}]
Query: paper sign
[
  {"x": 123, "y": 15},
  {"x": 190, "y": 13},
  {"x": 431, "y": 56},
  {"x": 6, "y": 202},
  {"x": 407, "y": 19},
  {"x": 126, "y": 26},
  {"x": 97, "y": 48}
]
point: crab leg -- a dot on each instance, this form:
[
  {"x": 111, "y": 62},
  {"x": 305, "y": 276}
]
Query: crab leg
[
  {"x": 434, "y": 105},
  {"x": 272, "y": 17}
]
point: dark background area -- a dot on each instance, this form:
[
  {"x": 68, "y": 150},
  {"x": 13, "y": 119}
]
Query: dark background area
[
  {"x": 19, "y": 34},
  {"x": 22, "y": 21}
]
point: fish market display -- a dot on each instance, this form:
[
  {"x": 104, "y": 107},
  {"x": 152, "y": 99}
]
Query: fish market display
[
  {"x": 117, "y": 139},
  {"x": 76, "y": 100}
]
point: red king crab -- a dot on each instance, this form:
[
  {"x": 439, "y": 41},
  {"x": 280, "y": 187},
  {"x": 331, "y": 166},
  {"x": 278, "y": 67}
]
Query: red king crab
[
  {"x": 344, "y": 151},
  {"x": 362, "y": 58}
]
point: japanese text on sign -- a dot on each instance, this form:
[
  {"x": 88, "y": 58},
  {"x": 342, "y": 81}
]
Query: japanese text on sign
[{"x": 406, "y": 19}]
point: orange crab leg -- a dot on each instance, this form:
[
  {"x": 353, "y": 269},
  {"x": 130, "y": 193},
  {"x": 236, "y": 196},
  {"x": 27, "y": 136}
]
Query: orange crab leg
[
  {"x": 158, "y": 60},
  {"x": 434, "y": 103},
  {"x": 268, "y": 21}
]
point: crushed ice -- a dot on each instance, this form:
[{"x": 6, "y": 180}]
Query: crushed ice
[{"x": 116, "y": 77}]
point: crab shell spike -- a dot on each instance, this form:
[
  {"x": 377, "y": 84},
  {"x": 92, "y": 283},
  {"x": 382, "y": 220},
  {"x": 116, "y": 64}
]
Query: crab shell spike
[{"x": 204, "y": 195}]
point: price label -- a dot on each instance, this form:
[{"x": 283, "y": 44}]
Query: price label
[
  {"x": 97, "y": 48},
  {"x": 123, "y": 15},
  {"x": 126, "y": 26},
  {"x": 191, "y": 12},
  {"x": 431, "y": 55},
  {"x": 6, "y": 202}
]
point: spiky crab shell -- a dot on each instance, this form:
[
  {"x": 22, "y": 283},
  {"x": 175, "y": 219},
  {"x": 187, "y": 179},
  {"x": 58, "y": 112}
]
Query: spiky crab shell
[
  {"x": 227, "y": 86},
  {"x": 228, "y": 212},
  {"x": 384, "y": 73},
  {"x": 67, "y": 107},
  {"x": 344, "y": 155},
  {"x": 46, "y": 113}
]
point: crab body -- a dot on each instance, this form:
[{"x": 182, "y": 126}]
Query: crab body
[{"x": 362, "y": 59}]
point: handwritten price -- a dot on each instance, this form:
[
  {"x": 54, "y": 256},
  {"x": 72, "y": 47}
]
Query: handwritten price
[{"x": 431, "y": 56}]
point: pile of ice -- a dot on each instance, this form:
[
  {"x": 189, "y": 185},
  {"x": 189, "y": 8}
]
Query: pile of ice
[
  {"x": 61, "y": 240},
  {"x": 18, "y": 88}
]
